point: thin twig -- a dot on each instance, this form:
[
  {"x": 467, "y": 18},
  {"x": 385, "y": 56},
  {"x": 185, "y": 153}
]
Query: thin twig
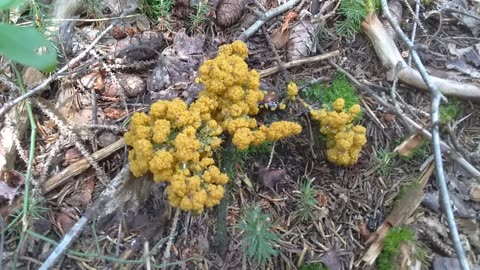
[
  {"x": 436, "y": 99},
  {"x": 166, "y": 255},
  {"x": 271, "y": 156},
  {"x": 107, "y": 195},
  {"x": 265, "y": 17},
  {"x": 414, "y": 30}
]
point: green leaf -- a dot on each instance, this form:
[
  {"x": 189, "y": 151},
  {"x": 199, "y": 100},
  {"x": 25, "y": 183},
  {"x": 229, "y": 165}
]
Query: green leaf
[
  {"x": 6, "y": 4},
  {"x": 27, "y": 46}
]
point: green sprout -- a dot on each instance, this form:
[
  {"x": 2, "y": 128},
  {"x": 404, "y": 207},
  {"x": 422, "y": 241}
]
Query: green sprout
[
  {"x": 353, "y": 12},
  {"x": 258, "y": 239},
  {"x": 200, "y": 16},
  {"x": 385, "y": 161},
  {"x": 313, "y": 266},
  {"x": 158, "y": 9},
  {"x": 307, "y": 202}
]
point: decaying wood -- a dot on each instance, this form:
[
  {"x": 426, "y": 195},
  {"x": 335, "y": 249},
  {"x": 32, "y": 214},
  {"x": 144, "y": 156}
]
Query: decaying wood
[
  {"x": 402, "y": 210},
  {"x": 67, "y": 174},
  {"x": 296, "y": 63},
  {"x": 389, "y": 55}
]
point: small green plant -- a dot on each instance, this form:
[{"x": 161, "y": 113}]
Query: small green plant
[
  {"x": 421, "y": 152},
  {"x": 158, "y": 9},
  {"x": 313, "y": 266},
  {"x": 353, "y": 12},
  {"x": 258, "y": 239},
  {"x": 399, "y": 238},
  {"x": 26, "y": 45},
  {"x": 385, "y": 161},
  {"x": 340, "y": 87},
  {"x": 307, "y": 202},
  {"x": 449, "y": 112},
  {"x": 200, "y": 16}
]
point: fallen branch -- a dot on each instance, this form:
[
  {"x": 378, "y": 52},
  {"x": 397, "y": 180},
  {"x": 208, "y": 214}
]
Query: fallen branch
[
  {"x": 296, "y": 63},
  {"x": 389, "y": 56},
  {"x": 66, "y": 174},
  {"x": 265, "y": 17}
]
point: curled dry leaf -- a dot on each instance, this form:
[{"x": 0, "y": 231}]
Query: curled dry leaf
[
  {"x": 228, "y": 12},
  {"x": 269, "y": 177},
  {"x": 302, "y": 42},
  {"x": 475, "y": 193},
  {"x": 280, "y": 38},
  {"x": 93, "y": 80},
  {"x": 150, "y": 41},
  {"x": 64, "y": 222},
  {"x": 72, "y": 155},
  {"x": 114, "y": 113},
  {"x": 132, "y": 85},
  {"x": 10, "y": 182},
  {"x": 84, "y": 195}
]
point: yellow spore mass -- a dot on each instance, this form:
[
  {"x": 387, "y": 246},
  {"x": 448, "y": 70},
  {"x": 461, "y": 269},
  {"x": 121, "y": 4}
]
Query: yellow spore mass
[
  {"x": 175, "y": 141},
  {"x": 344, "y": 141}
]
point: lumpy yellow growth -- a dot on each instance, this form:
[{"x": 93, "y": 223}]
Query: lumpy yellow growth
[
  {"x": 175, "y": 142},
  {"x": 292, "y": 90},
  {"x": 344, "y": 141}
]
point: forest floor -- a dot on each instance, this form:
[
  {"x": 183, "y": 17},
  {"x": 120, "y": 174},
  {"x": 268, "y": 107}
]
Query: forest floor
[{"x": 319, "y": 211}]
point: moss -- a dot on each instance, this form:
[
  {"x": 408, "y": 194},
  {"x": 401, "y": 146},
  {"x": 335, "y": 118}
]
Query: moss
[
  {"x": 326, "y": 95},
  {"x": 395, "y": 238},
  {"x": 449, "y": 112}
]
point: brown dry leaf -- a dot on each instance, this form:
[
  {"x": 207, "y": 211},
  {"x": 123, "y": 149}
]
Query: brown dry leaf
[
  {"x": 228, "y": 12},
  {"x": 364, "y": 231},
  {"x": 269, "y": 177},
  {"x": 288, "y": 18},
  {"x": 84, "y": 195},
  {"x": 72, "y": 155},
  {"x": 94, "y": 80},
  {"x": 302, "y": 42},
  {"x": 280, "y": 38},
  {"x": 133, "y": 85},
  {"x": 64, "y": 222},
  {"x": 114, "y": 113},
  {"x": 12, "y": 178},
  {"x": 408, "y": 145}
]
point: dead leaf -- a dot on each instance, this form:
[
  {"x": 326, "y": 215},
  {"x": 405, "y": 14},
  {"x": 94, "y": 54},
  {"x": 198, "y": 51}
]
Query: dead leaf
[
  {"x": 64, "y": 222},
  {"x": 72, "y": 155},
  {"x": 280, "y": 38},
  {"x": 331, "y": 260},
  {"x": 475, "y": 193},
  {"x": 12, "y": 178},
  {"x": 269, "y": 177},
  {"x": 106, "y": 138},
  {"x": 84, "y": 196},
  {"x": 228, "y": 12},
  {"x": 132, "y": 85},
  {"x": 288, "y": 18},
  {"x": 94, "y": 80},
  {"x": 408, "y": 145},
  {"x": 114, "y": 113},
  {"x": 7, "y": 193},
  {"x": 302, "y": 42}
]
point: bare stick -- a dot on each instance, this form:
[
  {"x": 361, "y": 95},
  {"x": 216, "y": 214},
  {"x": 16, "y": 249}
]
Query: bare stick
[
  {"x": 437, "y": 152},
  {"x": 265, "y": 17},
  {"x": 296, "y": 63},
  {"x": 166, "y": 255},
  {"x": 108, "y": 194}
]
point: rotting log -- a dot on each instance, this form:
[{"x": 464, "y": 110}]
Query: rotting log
[{"x": 389, "y": 56}]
